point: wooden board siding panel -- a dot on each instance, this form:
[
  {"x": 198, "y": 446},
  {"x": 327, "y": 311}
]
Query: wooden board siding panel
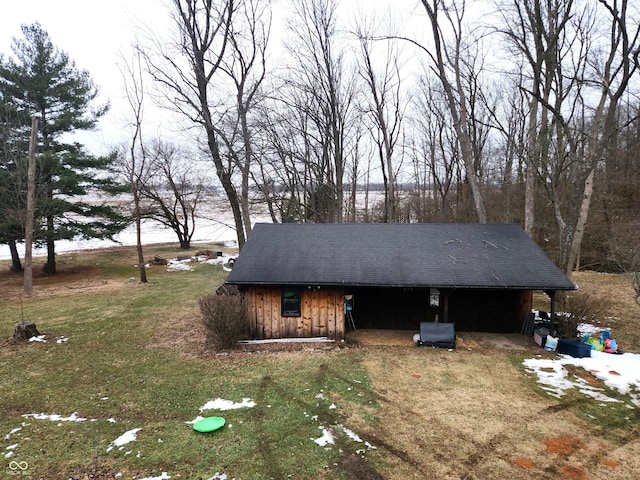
[
  {"x": 260, "y": 314},
  {"x": 276, "y": 308},
  {"x": 315, "y": 313},
  {"x": 331, "y": 316},
  {"x": 339, "y": 314},
  {"x": 252, "y": 315},
  {"x": 323, "y": 321},
  {"x": 322, "y": 314},
  {"x": 304, "y": 326}
]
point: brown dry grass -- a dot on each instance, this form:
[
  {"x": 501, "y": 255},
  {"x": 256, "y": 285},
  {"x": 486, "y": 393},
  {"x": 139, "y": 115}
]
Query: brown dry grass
[{"x": 469, "y": 414}]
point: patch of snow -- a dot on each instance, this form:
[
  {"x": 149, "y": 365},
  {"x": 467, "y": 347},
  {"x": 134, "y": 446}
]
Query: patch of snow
[
  {"x": 618, "y": 372},
  {"x": 220, "y": 404},
  {"x": 127, "y": 437},
  {"x": 163, "y": 476},
  {"x": 355, "y": 437},
  {"x": 219, "y": 476},
  {"x": 11, "y": 449},
  {"x": 351, "y": 434},
  {"x": 217, "y": 260},
  {"x": 38, "y": 338},
  {"x": 179, "y": 267},
  {"x": 584, "y": 328},
  {"x": 55, "y": 417},
  {"x": 325, "y": 439},
  {"x": 15, "y": 430}
]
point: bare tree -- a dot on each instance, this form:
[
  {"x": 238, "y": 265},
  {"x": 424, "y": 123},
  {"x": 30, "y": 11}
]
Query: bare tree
[
  {"x": 174, "y": 190},
  {"x": 133, "y": 159},
  {"x": 281, "y": 171},
  {"x": 582, "y": 57},
  {"x": 537, "y": 36},
  {"x": 383, "y": 104},
  {"x": 317, "y": 88},
  {"x": 245, "y": 66},
  {"x": 435, "y": 152},
  {"x": 448, "y": 65},
  {"x": 190, "y": 72},
  {"x": 611, "y": 75}
]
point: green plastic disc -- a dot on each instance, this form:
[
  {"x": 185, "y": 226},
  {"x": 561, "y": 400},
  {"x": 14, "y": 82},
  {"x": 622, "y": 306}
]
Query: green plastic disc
[{"x": 208, "y": 424}]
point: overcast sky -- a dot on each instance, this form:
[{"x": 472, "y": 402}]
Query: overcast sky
[
  {"x": 96, "y": 32},
  {"x": 93, "y": 33}
]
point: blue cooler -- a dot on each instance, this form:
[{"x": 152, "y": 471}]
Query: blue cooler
[{"x": 574, "y": 348}]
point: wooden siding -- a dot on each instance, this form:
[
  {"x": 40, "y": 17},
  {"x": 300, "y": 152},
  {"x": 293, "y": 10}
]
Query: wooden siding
[{"x": 322, "y": 313}]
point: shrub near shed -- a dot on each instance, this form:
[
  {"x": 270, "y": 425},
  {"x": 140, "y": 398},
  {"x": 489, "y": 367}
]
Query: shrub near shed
[{"x": 225, "y": 319}]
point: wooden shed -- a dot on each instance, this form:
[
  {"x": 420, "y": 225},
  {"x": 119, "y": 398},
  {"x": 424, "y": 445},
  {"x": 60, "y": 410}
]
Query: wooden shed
[{"x": 308, "y": 280}]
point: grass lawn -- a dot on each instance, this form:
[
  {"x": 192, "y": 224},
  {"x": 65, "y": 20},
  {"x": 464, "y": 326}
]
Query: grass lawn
[{"x": 128, "y": 356}]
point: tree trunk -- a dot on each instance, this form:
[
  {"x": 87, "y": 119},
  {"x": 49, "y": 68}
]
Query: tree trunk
[
  {"x": 141, "y": 265},
  {"x": 457, "y": 105},
  {"x": 246, "y": 165},
  {"x": 530, "y": 173},
  {"x": 50, "y": 266},
  {"x": 28, "y": 229},
  {"x": 16, "y": 265},
  {"x": 24, "y": 331},
  {"x": 576, "y": 241}
]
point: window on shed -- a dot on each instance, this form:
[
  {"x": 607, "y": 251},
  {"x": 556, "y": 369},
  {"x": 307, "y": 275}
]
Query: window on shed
[{"x": 291, "y": 302}]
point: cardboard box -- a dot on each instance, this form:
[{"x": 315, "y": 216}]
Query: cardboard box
[{"x": 574, "y": 348}]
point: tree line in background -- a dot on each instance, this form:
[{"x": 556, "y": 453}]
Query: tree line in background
[{"x": 527, "y": 113}]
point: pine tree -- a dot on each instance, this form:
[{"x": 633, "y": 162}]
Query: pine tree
[
  {"x": 12, "y": 200},
  {"x": 41, "y": 80}
]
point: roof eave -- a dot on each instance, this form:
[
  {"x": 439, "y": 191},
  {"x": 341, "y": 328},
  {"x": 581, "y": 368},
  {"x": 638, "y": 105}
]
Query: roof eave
[{"x": 414, "y": 285}]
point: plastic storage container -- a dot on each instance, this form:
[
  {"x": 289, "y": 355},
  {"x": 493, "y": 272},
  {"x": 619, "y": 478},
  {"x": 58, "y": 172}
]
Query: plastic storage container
[{"x": 574, "y": 348}]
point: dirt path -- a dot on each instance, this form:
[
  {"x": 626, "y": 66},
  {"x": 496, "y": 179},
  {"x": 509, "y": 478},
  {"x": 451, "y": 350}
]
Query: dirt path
[{"x": 467, "y": 414}]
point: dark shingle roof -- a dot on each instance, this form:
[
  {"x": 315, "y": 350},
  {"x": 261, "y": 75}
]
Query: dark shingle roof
[{"x": 397, "y": 255}]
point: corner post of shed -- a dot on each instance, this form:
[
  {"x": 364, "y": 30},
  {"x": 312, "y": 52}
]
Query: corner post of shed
[{"x": 552, "y": 302}]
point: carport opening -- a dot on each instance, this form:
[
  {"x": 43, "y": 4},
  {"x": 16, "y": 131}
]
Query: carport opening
[{"x": 496, "y": 311}]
